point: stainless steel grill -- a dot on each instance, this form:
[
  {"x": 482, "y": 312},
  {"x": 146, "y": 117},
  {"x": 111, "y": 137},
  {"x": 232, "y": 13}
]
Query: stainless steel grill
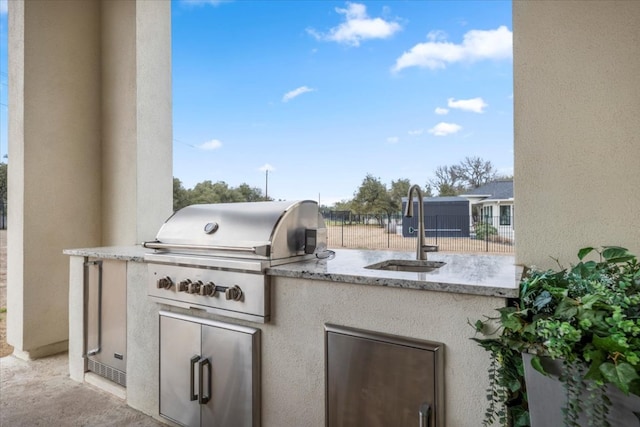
[{"x": 214, "y": 257}]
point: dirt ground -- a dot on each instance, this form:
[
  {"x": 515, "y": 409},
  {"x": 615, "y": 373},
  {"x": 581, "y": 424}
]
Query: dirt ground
[
  {"x": 375, "y": 237},
  {"x": 5, "y": 349}
]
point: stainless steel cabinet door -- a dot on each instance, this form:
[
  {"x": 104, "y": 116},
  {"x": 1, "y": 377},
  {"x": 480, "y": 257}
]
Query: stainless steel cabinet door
[
  {"x": 107, "y": 312},
  {"x": 232, "y": 361},
  {"x": 179, "y": 354},
  {"x": 209, "y": 372},
  {"x": 376, "y": 380}
]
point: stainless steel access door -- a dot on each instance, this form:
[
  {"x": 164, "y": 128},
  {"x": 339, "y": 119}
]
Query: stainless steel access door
[
  {"x": 106, "y": 318},
  {"x": 180, "y": 341},
  {"x": 379, "y": 380},
  {"x": 209, "y": 372}
]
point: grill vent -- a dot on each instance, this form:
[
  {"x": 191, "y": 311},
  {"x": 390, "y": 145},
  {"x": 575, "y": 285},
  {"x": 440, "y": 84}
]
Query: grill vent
[{"x": 108, "y": 372}]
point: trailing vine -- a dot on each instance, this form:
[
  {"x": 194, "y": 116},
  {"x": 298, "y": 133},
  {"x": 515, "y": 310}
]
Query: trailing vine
[{"x": 587, "y": 316}]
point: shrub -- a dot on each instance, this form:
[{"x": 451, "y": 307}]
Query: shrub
[{"x": 484, "y": 230}]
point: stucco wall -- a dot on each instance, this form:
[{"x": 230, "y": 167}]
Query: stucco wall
[
  {"x": 118, "y": 52},
  {"x": 154, "y": 115},
  {"x": 293, "y": 388},
  {"x": 577, "y": 133},
  {"x": 293, "y": 343},
  {"x": 90, "y": 142},
  {"x": 136, "y": 120},
  {"x": 54, "y": 144}
]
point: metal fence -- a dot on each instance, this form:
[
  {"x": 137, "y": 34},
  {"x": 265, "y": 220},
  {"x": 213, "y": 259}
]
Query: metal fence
[
  {"x": 3, "y": 215},
  {"x": 451, "y": 233}
]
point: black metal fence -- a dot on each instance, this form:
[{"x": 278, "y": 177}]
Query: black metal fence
[
  {"x": 451, "y": 233},
  {"x": 3, "y": 215}
]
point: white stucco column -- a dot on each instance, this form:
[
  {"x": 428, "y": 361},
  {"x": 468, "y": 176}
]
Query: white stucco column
[
  {"x": 89, "y": 144},
  {"x": 577, "y": 133}
]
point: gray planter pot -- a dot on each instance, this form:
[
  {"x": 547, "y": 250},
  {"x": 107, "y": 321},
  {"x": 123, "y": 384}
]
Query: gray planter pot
[{"x": 547, "y": 397}]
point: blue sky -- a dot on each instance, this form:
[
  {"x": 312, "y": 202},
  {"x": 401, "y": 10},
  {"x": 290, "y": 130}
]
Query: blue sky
[{"x": 322, "y": 93}]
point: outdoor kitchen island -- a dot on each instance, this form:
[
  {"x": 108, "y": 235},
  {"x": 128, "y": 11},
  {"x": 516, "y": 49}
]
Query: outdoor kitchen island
[{"x": 306, "y": 296}]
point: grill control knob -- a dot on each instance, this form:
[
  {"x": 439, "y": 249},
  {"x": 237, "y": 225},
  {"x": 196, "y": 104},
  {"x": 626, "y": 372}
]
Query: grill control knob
[
  {"x": 165, "y": 283},
  {"x": 183, "y": 285},
  {"x": 208, "y": 289},
  {"x": 194, "y": 287},
  {"x": 233, "y": 293}
]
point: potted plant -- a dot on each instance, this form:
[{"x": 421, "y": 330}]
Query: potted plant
[{"x": 580, "y": 325}]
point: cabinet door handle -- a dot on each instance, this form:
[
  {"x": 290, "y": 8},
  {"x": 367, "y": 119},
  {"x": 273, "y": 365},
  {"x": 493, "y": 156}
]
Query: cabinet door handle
[
  {"x": 98, "y": 348},
  {"x": 425, "y": 415},
  {"x": 204, "y": 398},
  {"x": 192, "y": 394}
]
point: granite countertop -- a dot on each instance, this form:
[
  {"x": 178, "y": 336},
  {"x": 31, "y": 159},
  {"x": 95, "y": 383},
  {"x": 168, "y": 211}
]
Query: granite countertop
[
  {"x": 476, "y": 274},
  {"x": 121, "y": 253}
]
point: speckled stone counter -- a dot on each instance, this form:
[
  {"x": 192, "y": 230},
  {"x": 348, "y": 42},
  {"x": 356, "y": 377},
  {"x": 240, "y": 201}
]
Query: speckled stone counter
[
  {"x": 121, "y": 253},
  {"x": 475, "y": 274}
]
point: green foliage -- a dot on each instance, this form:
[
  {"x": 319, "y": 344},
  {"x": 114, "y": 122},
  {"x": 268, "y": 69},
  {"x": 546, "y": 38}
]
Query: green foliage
[
  {"x": 209, "y": 192},
  {"x": 588, "y": 316},
  {"x": 484, "y": 230},
  {"x": 399, "y": 189},
  {"x": 373, "y": 197},
  {"x": 3, "y": 182}
]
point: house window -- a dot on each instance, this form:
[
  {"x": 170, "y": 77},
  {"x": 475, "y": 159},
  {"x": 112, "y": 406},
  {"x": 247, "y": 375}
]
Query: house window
[
  {"x": 505, "y": 215},
  {"x": 487, "y": 214}
]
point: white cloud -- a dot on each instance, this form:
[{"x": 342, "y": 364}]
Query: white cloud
[
  {"x": 416, "y": 132},
  {"x": 441, "y": 111},
  {"x": 266, "y": 167},
  {"x": 475, "y": 105},
  {"x": 4, "y": 6},
  {"x": 358, "y": 26},
  {"x": 214, "y": 144},
  {"x": 393, "y": 140},
  {"x": 476, "y": 46},
  {"x": 444, "y": 129},
  {"x": 437, "y": 36},
  {"x": 296, "y": 92}
]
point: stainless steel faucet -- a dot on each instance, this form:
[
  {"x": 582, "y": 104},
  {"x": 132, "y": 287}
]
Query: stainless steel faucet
[{"x": 421, "y": 251}]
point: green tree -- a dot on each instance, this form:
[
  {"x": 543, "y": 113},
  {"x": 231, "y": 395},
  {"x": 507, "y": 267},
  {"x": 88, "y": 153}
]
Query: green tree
[
  {"x": 209, "y": 192},
  {"x": 398, "y": 190},
  {"x": 373, "y": 198},
  {"x": 343, "y": 205},
  {"x": 251, "y": 194},
  {"x": 428, "y": 190},
  {"x": 203, "y": 192},
  {"x": 225, "y": 194},
  {"x": 3, "y": 182},
  {"x": 180, "y": 195}
]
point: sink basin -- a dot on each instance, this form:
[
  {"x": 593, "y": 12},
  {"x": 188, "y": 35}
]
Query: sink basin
[{"x": 406, "y": 265}]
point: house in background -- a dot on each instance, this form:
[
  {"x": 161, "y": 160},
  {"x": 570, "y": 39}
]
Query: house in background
[
  {"x": 492, "y": 203},
  {"x": 443, "y": 217}
]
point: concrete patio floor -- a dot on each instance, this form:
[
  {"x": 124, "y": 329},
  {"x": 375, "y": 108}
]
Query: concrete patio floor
[{"x": 40, "y": 393}]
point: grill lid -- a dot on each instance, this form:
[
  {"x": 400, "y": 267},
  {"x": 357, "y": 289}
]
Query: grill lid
[{"x": 266, "y": 230}]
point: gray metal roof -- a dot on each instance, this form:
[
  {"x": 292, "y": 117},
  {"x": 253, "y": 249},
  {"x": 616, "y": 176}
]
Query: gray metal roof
[
  {"x": 500, "y": 189},
  {"x": 439, "y": 199}
]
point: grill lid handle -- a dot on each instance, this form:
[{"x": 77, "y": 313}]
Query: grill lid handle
[{"x": 263, "y": 250}]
